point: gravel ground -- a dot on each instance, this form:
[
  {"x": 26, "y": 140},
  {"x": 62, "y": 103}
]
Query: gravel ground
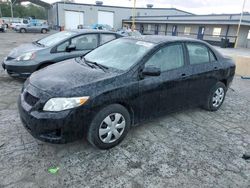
[{"x": 192, "y": 148}]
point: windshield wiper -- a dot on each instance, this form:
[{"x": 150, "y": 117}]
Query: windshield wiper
[
  {"x": 82, "y": 59},
  {"x": 103, "y": 67}
]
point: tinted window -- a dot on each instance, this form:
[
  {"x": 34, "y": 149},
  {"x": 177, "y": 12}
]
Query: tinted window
[
  {"x": 167, "y": 58},
  {"x": 85, "y": 42},
  {"x": 106, "y": 38},
  {"x": 198, "y": 53},
  {"x": 62, "y": 47}
]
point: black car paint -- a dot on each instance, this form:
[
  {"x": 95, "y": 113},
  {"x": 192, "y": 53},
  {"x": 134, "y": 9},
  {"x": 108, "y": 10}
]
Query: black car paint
[{"x": 145, "y": 97}]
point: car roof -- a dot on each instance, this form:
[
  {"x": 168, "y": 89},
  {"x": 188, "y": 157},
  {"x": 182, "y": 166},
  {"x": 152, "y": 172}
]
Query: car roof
[
  {"x": 158, "y": 39},
  {"x": 82, "y": 31}
]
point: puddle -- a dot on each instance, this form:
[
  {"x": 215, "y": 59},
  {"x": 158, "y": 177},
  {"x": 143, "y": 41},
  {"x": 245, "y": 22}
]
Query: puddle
[{"x": 242, "y": 65}]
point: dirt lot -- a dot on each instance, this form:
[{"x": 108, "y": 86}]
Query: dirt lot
[{"x": 192, "y": 148}]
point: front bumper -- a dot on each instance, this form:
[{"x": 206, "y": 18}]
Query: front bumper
[
  {"x": 54, "y": 127},
  {"x": 19, "y": 69}
]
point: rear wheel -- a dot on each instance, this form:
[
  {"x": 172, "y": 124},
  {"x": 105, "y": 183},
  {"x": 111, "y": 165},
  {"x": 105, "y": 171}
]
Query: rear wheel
[
  {"x": 216, "y": 97},
  {"x": 109, "y": 127},
  {"x": 44, "y": 31},
  {"x": 22, "y": 30}
]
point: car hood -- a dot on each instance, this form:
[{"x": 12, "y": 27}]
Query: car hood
[
  {"x": 69, "y": 78},
  {"x": 24, "y": 48}
]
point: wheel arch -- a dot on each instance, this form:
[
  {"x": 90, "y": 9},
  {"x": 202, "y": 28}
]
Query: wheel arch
[
  {"x": 45, "y": 64},
  {"x": 225, "y": 82},
  {"x": 129, "y": 109},
  {"x": 126, "y": 105}
]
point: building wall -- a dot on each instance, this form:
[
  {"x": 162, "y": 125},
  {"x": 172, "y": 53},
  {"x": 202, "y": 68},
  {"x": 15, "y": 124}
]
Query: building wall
[
  {"x": 52, "y": 16},
  {"x": 242, "y": 40},
  {"x": 91, "y": 13},
  {"x": 166, "y": 29}
]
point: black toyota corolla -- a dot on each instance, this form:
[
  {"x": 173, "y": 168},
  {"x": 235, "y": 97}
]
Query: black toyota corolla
[{"x": 121, "y": 84}]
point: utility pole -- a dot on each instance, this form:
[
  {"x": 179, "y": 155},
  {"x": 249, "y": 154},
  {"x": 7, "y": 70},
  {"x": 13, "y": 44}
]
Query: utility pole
[
  {"x": 11, "y": 8},
  {"x": 1, "y": 15},
  {"x": 133, "y": 16},
  {"x": 238, "y": 30}
]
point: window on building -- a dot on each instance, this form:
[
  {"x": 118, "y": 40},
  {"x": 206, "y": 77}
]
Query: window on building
[
  {"x": 149, "y": 27},
  {"x": 187, "y": 30},
  {"x": 217, "y": 31},
  {"x": 248, "y": 36},
  {"x": 163, "y": 27}
]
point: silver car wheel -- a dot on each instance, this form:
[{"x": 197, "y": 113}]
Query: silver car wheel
[
  {"x": 218, "y": 97},
  {"x": 112, "y": 128}
]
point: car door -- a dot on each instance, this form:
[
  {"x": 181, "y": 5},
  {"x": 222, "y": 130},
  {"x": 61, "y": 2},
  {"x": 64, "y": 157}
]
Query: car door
[
  {"x": 31, "y": 27},
  {"x": 204, "y": 71},
  {"x": 164, "y": 93}
]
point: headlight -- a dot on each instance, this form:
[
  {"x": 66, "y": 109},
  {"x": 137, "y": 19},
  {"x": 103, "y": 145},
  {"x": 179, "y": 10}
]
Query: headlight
[
  {"x": 59, "y": 104},
  {"x": 26, "y": 56}
]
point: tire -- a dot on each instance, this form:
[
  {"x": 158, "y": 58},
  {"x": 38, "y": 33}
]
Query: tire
[
  {"x": 44, "y": 31},
  {"x": 216, "y": 97},
  {"x": 116, "y": 115},
  {"x": 22, "y": 30}
]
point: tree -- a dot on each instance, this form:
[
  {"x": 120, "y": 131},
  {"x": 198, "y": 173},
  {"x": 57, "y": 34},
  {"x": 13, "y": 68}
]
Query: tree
[{"x": 22, "y": 11}]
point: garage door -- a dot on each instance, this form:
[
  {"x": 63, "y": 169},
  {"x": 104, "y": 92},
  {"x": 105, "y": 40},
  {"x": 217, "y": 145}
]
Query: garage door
[
  {"x": 105, "y": 17},
  {"x": 73, "y": 19}
]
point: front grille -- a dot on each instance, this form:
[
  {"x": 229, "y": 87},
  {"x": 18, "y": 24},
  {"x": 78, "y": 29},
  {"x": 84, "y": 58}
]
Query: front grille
[{"x": 30, "y": 99}]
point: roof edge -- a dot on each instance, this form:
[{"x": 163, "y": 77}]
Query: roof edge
[{"x": 123, "y": 7}]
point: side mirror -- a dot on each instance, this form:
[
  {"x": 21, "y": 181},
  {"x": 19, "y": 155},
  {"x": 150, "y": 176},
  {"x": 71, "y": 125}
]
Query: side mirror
[
  {"x": 70, "y": 48},
  {"x": 151, "y": 71}
]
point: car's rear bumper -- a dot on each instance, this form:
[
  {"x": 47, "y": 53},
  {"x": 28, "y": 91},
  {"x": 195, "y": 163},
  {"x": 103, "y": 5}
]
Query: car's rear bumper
[{"x": 54, "y": 127}]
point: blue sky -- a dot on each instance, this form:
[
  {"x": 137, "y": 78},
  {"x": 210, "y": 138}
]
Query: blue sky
[{"x": 194, "y": 6}]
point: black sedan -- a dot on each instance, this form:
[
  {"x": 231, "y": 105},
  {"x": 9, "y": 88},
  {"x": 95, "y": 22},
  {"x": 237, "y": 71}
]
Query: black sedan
[
  {"x": 30, "y": 57},
  {"x": 121, "y": 84}
]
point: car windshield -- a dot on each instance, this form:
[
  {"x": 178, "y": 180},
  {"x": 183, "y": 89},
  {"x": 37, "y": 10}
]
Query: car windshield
[
  {"x": 55, "y": 38},
  {"x": 119, "y": 54}
]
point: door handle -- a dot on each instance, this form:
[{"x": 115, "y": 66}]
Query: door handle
[
  {"x": 215, "y": 67},
  {"x": 183, "y": 75}
]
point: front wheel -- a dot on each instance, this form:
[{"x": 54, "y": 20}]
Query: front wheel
[
  {"x": 22, "y": 30},
  {"x": 216, "y": 97},
  {"x": 109, "y": 127}
]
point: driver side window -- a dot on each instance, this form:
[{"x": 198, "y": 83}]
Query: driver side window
[{"x": 167, "y": 58}]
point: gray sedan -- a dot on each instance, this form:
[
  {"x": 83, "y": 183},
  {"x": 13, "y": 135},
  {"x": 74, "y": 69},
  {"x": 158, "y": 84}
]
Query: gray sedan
[
  {"x": 27, "y": 58},
  {"x": 29, "y": 28}
]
